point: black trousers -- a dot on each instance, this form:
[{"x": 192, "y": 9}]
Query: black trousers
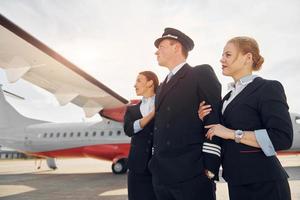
[
  {"x": 271, "y": 190},
  {"x": 197, "y": 188},
  {"x": 140, "y": 186}
]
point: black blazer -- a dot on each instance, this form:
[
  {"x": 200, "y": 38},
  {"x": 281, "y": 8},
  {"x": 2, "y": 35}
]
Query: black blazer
[
  {"x": 261, "y": 105},
  {"x": 179, "y": 133},
  {"x": 141, "y": 142}
]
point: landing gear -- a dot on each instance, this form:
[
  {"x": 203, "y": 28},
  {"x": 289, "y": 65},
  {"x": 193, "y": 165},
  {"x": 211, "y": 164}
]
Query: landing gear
[
  {"x": 38, "y": 163},
  {"x": 51, "y": 163},
  {"x": 120, "y": 167}
]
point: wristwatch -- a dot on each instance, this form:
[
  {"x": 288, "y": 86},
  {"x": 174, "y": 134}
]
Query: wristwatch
[{"x": 238, "y": 135}]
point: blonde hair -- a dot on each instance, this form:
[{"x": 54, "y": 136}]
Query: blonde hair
[{"x": 249, "y": 45}]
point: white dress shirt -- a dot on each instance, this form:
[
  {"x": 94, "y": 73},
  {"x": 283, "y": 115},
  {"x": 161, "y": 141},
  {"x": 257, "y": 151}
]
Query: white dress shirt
[{"x": 146, "y": 107}]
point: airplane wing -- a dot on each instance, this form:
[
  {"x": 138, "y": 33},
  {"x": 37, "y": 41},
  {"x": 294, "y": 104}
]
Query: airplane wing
[{"x": 23, "y": 56}]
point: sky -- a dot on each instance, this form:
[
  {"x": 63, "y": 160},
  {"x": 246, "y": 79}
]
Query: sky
[{"x": 113, "y": 41}]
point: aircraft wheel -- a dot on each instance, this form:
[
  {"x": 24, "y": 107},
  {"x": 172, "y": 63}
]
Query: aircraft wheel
[{"x": 120, "y": 167}]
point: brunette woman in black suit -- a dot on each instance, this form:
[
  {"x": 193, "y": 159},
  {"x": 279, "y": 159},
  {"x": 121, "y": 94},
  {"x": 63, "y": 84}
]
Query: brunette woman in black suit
[
  {"x": 255, "y": 124},
  {"x": 138, "y": 124}
]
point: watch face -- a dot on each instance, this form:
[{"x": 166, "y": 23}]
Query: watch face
[
  {"x": 240, "y": 133},
  {"x": 238, "y": 136}
]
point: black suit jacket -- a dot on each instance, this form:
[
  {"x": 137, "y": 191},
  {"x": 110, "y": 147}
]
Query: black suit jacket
[
  {"x": 179, "y": 133},
  {"x": 141, "y": 142},
  {"x": 261, "y": 105}
]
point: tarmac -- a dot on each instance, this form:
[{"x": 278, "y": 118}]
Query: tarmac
[{"x": 90, "y": 179}]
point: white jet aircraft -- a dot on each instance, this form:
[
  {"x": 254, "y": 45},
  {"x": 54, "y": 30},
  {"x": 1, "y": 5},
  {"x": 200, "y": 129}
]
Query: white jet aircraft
[{"x": 23, "y": 56}]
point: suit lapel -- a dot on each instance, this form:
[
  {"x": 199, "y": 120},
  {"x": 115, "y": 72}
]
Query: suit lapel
[
  {"x": 137, "y": 110},
  {"x": 167, "y": 87},
  {"x": 242, "y": 96},
  {"x": 226, "y": 97}
]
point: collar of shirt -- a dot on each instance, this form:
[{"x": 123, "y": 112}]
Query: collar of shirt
[
  {"x": 148, "y": 99},
  {"x": 237, "y": 87},
  {"x": 177, "y": 68},
  {"x": 242, "y": 82}
]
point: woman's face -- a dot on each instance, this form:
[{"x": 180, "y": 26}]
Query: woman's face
[
  {"x": 233, "y": 62},
  {"x": 141, "y": 85}
]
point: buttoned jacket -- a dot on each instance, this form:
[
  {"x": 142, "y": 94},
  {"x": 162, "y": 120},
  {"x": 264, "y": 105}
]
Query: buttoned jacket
[
  {"x": 141, "y": 142},
  {"x": 260, "y": 105},
  {"x": 178, "y": 132}
]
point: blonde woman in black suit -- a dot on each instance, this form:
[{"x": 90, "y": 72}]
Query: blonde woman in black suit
[
  {"x": 255, "y": 124},
  {"x": 138, "y": 124}
]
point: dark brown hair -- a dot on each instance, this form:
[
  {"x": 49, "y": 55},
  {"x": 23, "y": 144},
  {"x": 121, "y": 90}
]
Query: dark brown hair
[
  {"x": 151, "y": 76},
  {"x": 249, "y": 45}
]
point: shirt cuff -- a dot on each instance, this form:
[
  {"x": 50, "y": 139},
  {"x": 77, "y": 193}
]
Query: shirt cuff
[
  {"x": 264, "y": 142},
  {"x": 137, "y": 126}
]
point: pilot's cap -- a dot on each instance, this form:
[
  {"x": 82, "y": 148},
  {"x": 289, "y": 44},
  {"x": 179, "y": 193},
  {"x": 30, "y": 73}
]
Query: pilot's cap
[{"x": 172, "y": 33}]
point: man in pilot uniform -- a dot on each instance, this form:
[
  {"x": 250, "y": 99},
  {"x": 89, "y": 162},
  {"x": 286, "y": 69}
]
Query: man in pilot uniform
[{"x": 184, "y": 163}]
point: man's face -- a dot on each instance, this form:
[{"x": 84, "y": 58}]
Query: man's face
[{"x": 165, "y": 52}]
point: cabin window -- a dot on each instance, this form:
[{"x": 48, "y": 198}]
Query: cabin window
[
  {"x": 78, "y": 134},
  {"x": 86, "y": 134},
  {"x": 45, "y": 135},
  {"x": 65, "y": 134},
  {"x": 102, "y": 133},
  {"x": 57, "y": 134},
  {"x": 119, "y": 132},
  {"x": 297, "y": 120},
  {"x": 71, "y": 134},
  {"x": 110, "y": 133},
  {"x": 51, "y": 135},
  {"x": 94, "y": 133}
]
